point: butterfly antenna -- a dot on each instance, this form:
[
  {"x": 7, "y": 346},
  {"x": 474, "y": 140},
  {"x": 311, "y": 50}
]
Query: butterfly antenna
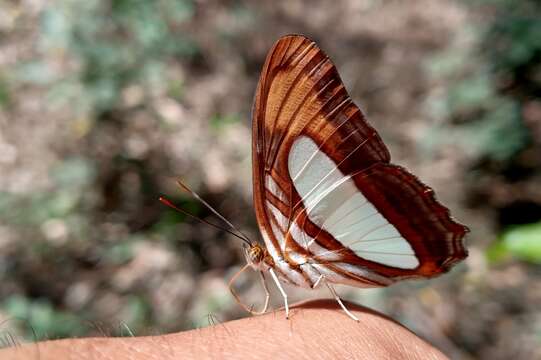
[
  {"x": 173, "y": 206},
  {"x": 215, "y": 212}
]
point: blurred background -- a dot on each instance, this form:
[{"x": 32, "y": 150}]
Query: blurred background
[{"x": 103, "y": 104}]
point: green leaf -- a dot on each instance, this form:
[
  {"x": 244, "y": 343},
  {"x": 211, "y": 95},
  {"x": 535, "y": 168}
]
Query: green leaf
[
  {"x": 42, "y": 319},
  {"x": 471, "y": 93},
  {"x": 497, "y": 253},
  {"x": 524, "y": 242},
  {"x": 5, "y": 94},
  {"x": 218, "y": 122},
  {"x": 499, "y": 133},
  {"x": 34, "y": 72},
  {"x": 73, "y": 173},
  {"x": 120, "y": 253}
]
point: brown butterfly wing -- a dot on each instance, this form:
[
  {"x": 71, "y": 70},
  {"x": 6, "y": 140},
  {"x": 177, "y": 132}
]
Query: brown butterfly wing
[{"x": 300, "y": 94}]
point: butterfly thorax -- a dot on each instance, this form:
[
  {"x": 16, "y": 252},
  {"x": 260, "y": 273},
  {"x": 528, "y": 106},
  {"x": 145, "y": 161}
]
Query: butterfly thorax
[{"x": 258, "y": 257}]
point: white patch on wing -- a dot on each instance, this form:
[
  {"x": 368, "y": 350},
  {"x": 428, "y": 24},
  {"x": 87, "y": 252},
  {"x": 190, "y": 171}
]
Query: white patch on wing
[
  {"x": 269, "y": 245},
  {"x": 279, "y": 217},
  {"x": 278, "y": 235},
  {"x": 274, "y": 189},
  {"x": 296, "y": 257},
  {"x": 334, "y": 203},
  {"x": 364, "y": 273},
  {"x": 312, "y": 273},
  {"x": 307, "y": 242},
  {"x": 300, "y": 237},
  {"x": 292, "y": 275},
  {"x": 336, "y": 278}
]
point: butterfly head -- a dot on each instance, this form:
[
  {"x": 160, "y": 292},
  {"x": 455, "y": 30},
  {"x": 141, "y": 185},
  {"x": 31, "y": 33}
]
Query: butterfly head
[{"x": 255, "y": 255}]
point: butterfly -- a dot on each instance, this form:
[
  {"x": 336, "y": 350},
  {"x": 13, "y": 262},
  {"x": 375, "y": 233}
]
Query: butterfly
[{"x": 331, "y": 207}]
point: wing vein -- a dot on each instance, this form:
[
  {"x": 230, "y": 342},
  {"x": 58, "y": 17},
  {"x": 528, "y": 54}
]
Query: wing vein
[
  {"x": 281, "y": 107},
  {"x": 274, "y": 149},
  {"x": 335, "y": 167}
]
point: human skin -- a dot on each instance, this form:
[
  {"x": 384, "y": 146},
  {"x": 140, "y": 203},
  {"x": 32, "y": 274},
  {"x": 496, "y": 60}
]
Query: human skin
[{"x": 315, "y": 330}]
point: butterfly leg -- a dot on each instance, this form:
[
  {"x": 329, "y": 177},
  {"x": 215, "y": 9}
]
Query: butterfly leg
[
  {"x": 318, "y": 281},
  {"x": 284, "y": 295},
  {"x": 237, "y": 298},
  {"x": 267, "y": 293},
  {"x": 337, "y": 298}
]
